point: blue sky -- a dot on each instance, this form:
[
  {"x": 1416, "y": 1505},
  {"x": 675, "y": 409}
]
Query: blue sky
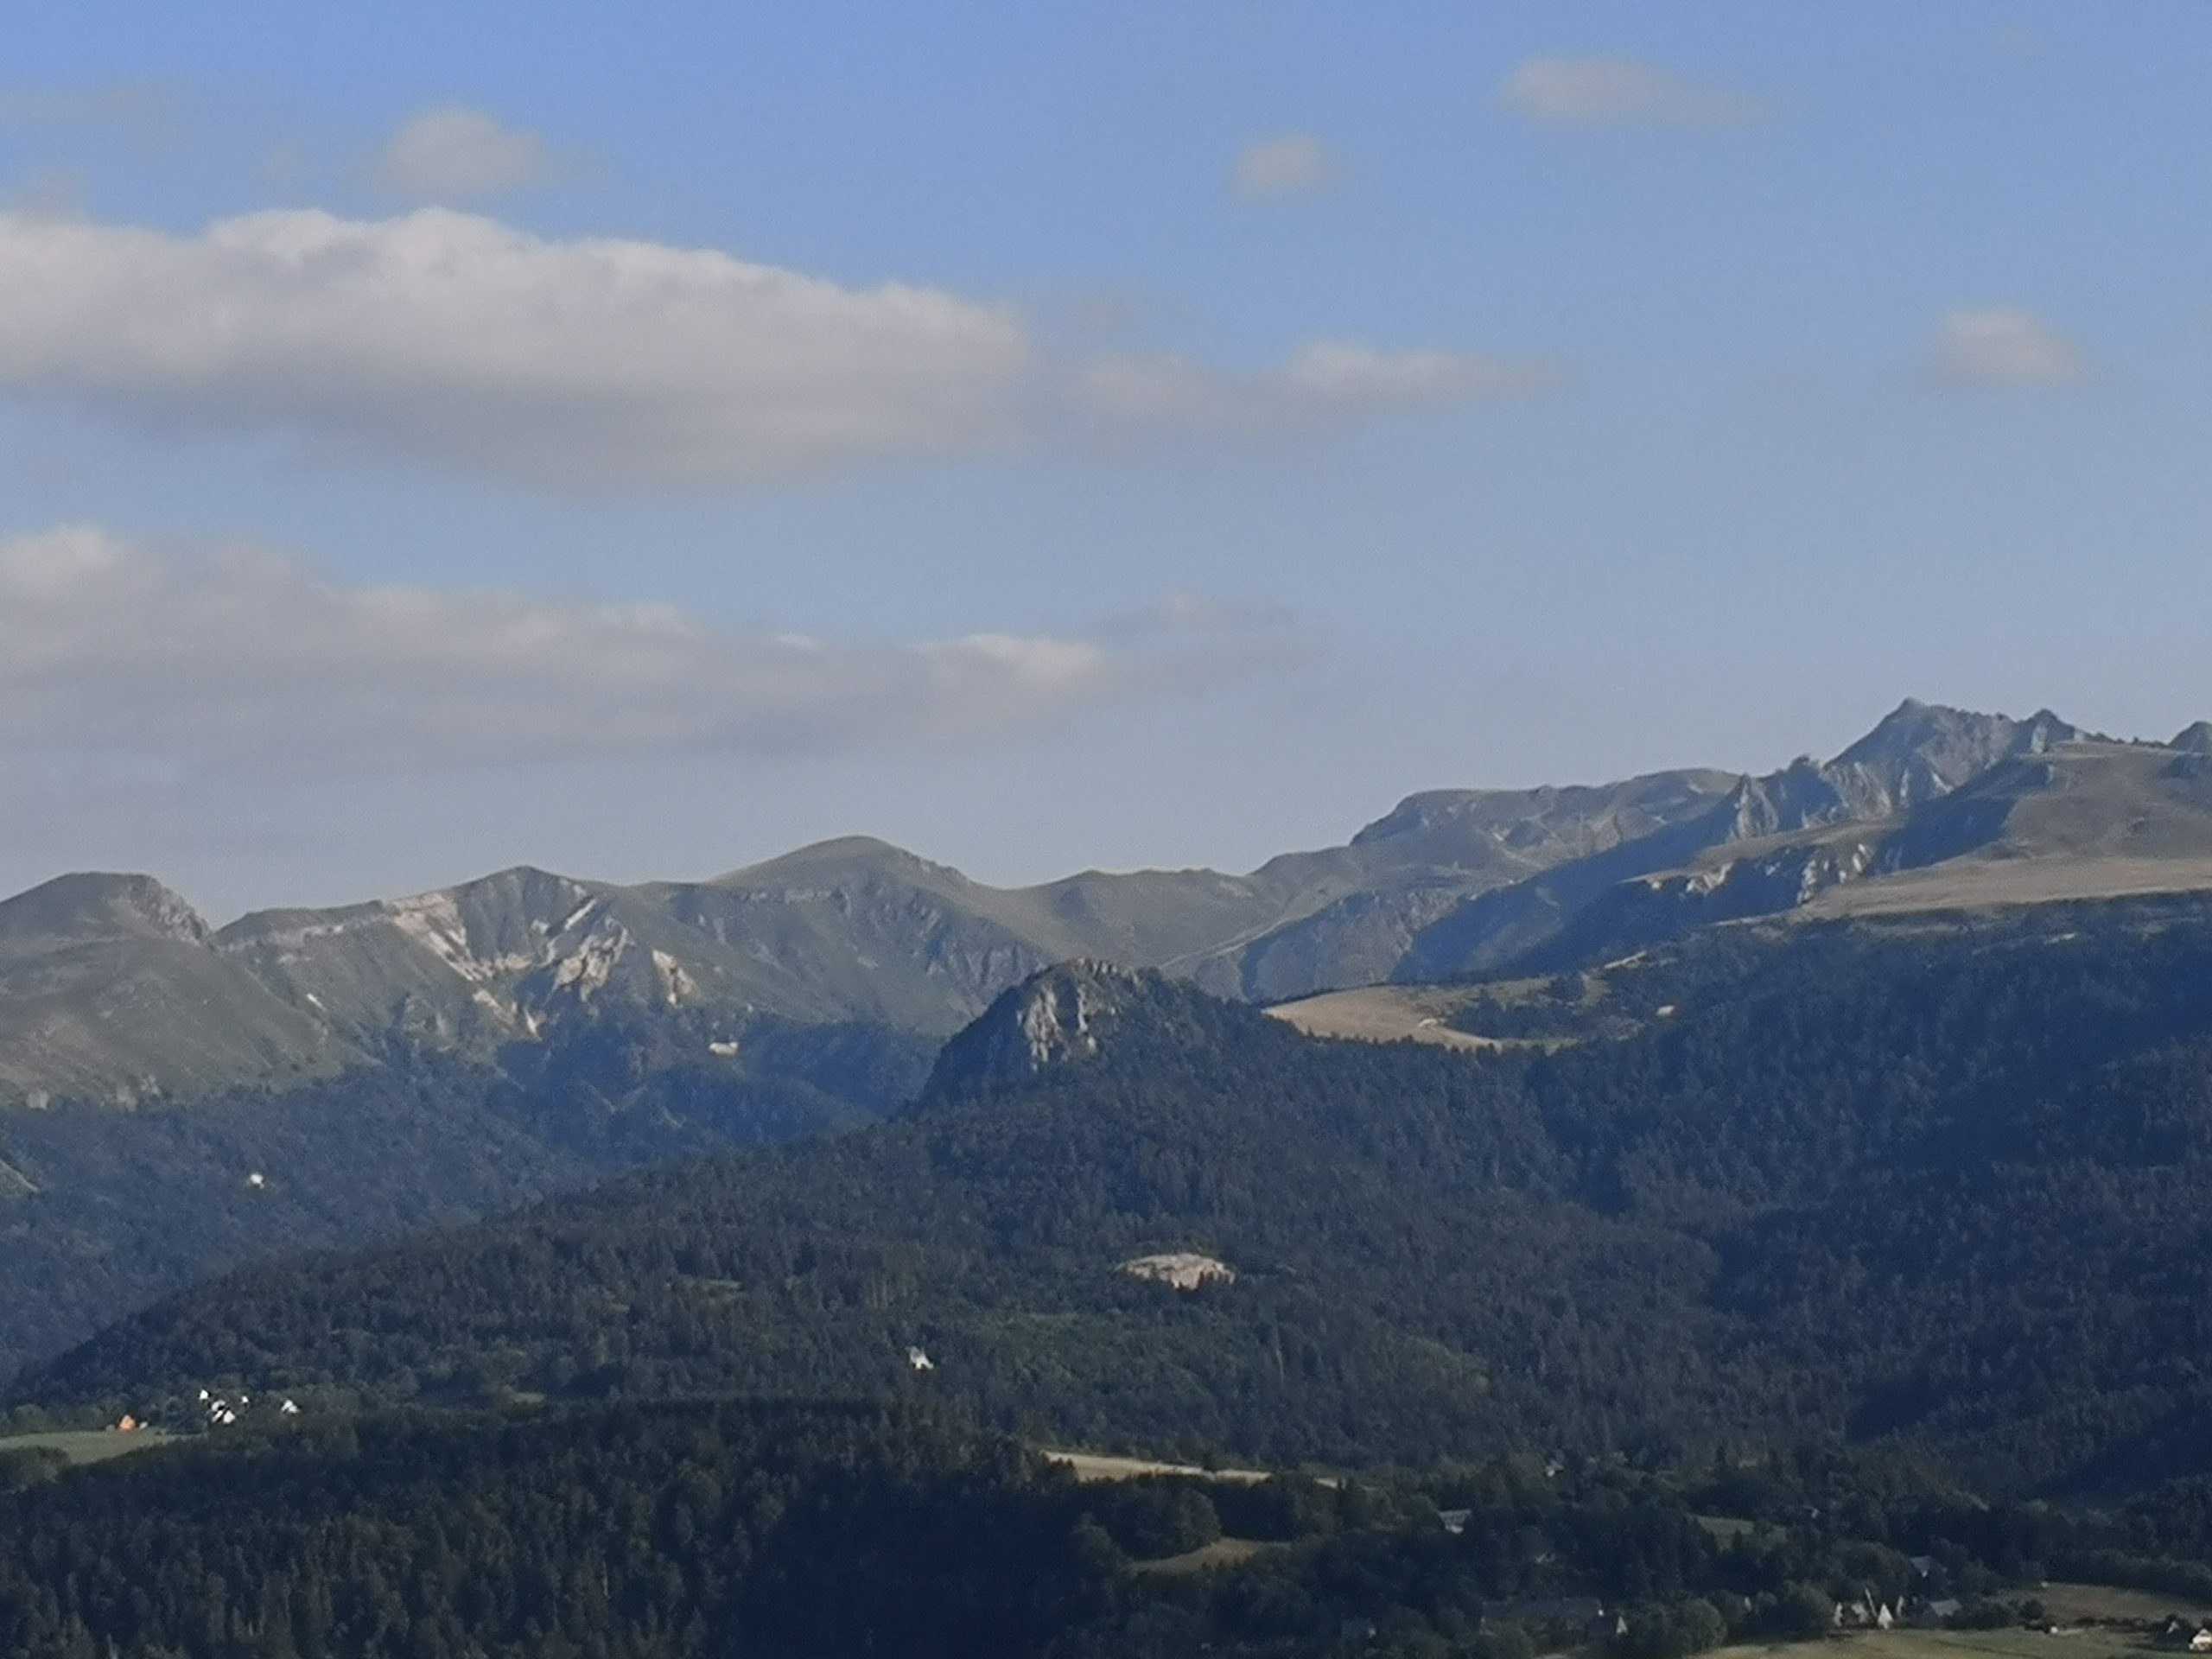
[{"x": 428, "y": 443}]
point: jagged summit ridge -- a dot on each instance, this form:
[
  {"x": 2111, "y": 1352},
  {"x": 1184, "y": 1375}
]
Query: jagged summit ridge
[{"x": 1921, "y": 750}]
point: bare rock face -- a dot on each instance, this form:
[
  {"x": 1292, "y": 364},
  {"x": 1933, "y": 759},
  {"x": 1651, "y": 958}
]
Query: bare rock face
[
  {"x": 1059, "y": 1017},
  {"x": 1917, "y": 754},
  {"x": 1181, "y": 1270},
  {"x": 2195, "y": 740},
  {"x": 1776, "y": 880},
  {"x": 1920, "y": 752}
]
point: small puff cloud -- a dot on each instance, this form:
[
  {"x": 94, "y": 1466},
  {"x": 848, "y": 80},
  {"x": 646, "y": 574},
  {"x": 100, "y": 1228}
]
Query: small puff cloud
[
  {"x": 239, "y": 662},
  {"x": 1616, "y": 93},
  {"x": 454, "y": 153},
  {"x": 2005, "y": 346},
  {"x": 1287, "y": 164},
  {"x": 455, "y": 340}
]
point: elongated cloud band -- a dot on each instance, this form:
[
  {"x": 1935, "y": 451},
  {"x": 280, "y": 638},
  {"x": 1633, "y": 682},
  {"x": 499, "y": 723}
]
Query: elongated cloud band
[
  {"x": 241, "y": 661},
  {"x": 452, "y": 337},
  {"x": 444, "y": 335}
]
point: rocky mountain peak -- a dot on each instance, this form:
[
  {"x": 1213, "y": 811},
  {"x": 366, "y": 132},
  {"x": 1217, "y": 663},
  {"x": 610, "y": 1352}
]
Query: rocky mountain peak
[
  {"x": 1059, "y": 1017},
  {"x": 1954, "y": 739},
  {"x": 1921, "y": 750},
  {"x": 95, "y": 907},
  {"x": 2196, "y": 740}
]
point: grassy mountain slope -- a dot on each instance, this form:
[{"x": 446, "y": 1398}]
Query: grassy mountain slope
[{"x": 109, "y": 991}]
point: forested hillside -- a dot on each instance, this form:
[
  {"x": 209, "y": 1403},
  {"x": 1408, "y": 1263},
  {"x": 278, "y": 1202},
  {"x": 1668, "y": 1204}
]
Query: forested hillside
[
  {"x": 694, "y": 1528},
  {"x": 1938, "y": 1184},
  {"x": 103, "y": 1211}
]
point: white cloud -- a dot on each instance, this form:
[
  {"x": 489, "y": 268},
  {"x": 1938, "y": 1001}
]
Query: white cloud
[
  {"x": 455, "y": 338},
  {"x": 454, "y": 153},
  {"x": 1323, "y": 382},
  {"x": 242, "y": 662},
  {"x": 452, "y": 339},
  {"x": 2005, "y": 345},
  {"x": 1288, "y": 164},
  {"x": 1616, "y": 93}
]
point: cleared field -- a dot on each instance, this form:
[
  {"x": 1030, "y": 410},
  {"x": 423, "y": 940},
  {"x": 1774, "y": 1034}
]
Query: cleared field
[
  {"x": 2066, "y": 1602},
  {"x": 1386, "y": 1014},
  {"x": 1995, "y": 1645},
  {"x": 87, "y": 1445},
  {"x": 1943, "y": 1644},
  {"x": 1973, "y": 883},
  {"x": 1092, "y": 1466},
  {"x": 2069, "y": 1602}
]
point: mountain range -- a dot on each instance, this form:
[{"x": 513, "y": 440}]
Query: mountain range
[
  {"x": 113, "y": 990},
  {"x": 176, "y": 1097}
]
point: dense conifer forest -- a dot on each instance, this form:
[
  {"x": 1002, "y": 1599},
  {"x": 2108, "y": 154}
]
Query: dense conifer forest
[{"x": 825, "y": 1531}]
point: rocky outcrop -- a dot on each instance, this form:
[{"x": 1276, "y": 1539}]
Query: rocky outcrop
[
  {"x": 1181, "y": 1270},
  {"x": 1059, "y": 1017}
]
